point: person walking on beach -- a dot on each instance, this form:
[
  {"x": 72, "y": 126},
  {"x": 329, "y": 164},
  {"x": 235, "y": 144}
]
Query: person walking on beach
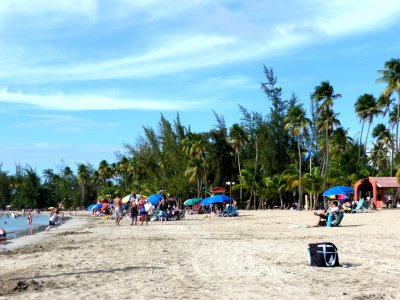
[
  {"x": 134, "y": 209},
  {"x": 3, "y": 234},
  {"x": 163, "y": 210},
  {"x": 29, "y": 218},
  {"x": 118, "y": 210},
  {"x": 52, "y": 220}
]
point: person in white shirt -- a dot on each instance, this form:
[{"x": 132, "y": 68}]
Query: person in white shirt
[{"x": 322, "y": 216}]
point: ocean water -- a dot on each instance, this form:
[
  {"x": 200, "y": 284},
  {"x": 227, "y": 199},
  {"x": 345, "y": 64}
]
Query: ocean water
[{"x": 16, "y": 227}]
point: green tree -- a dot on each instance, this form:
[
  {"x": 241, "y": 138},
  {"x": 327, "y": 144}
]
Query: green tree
[
  {"x": 298, "y": 123},
  {"x": 238, "y": 137},
  {"x": 391, "y": 76},
  {"x": 324, "y": 96},
  {"x": 83, "y": 177}
]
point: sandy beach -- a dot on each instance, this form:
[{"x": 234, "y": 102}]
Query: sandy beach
[{"x": 260, "y": 255}]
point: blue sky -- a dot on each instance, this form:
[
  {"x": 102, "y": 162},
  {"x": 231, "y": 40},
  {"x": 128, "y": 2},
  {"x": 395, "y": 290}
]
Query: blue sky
[{"x": 80, "y": 78}]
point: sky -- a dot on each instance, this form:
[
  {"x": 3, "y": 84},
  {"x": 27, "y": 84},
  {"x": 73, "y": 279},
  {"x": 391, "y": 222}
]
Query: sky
[{"x": 80, "y": 78}]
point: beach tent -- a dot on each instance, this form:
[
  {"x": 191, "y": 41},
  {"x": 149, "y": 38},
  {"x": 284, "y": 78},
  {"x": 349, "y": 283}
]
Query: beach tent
[
  {"x": 216, "y": 199},
  {"x": 153, "y": 199},
  {"x": 192, "y": 201}
]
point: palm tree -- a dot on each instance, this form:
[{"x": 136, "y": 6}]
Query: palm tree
[
  {"x": 391, "y": 76},
  {"x": 105, "y": 171},
  {"x": 384, "y": 137},
  {"x": 276, "y": 186},
  {"x": 379, "y": 155},
  {"x": 195, "y": 147},
  {"x": 123, "y": 166},
  {"x": 297, "y": 123},
  {"x": 372, "y": 111},
  {"x": 361, "y": 108},
  {"x": 238, "y": 138},
  {"x": 83, "y": 176},
  {"x": 313, "y": 185},
  {"x": 324, "y": 95}
]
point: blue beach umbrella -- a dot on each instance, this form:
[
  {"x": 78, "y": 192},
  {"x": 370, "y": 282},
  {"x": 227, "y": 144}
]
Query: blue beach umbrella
[
  {"x": 215, "y": 199},
  {"x": 338, "y": 190},
  {"x": 153, "y": 199},
  {"x": 90, "y": 207},
  {"x": 97, "y": 206}
]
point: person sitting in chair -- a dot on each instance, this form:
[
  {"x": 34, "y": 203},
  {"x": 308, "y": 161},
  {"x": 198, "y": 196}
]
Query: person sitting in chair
[{"x": 323, "y": 216}]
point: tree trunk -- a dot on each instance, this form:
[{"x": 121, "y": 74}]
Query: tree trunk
[
  {"x": 326, "y": 157},
  {"x": 366, "y": 138},
  {"x": 359, "y": 148},
  {"x": 252, "y": 192},
  {"x": 397, "y": 124},
  {"x": 240, "y": 179},
  {"x": 300, "y": 206}
]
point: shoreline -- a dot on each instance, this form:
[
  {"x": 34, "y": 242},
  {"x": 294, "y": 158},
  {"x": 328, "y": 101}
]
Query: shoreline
[{"x": 42, "y": 236}]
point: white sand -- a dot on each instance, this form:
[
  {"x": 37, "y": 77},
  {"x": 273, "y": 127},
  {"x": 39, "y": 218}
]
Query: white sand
[{"x": 255, "y": 256}]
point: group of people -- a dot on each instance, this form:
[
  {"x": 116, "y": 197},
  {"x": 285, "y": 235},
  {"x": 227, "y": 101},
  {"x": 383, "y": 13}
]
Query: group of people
[
  {"x": 139, "y": 207},
  {"x": 141, "y": 210}
]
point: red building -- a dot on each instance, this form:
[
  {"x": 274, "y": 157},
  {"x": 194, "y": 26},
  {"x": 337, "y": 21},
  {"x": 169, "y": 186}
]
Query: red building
[{"x": 374, "y": 186}]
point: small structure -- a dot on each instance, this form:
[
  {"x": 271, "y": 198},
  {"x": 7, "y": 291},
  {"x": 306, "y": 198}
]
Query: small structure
[
  {"x": 371, "y": 184},
  {"x": 217, "y": 190}
]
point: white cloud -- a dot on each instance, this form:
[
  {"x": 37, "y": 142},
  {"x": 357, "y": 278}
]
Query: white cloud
[
  {"x": 182, "y": 36},
  {"x": 61, "y": 123},
  {"x": 94, "y": 102},
  {"x": 236, "y": 81}
]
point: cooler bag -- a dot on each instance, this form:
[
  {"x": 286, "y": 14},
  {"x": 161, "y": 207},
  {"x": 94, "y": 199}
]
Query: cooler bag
[{"x": 323, "y": 255}]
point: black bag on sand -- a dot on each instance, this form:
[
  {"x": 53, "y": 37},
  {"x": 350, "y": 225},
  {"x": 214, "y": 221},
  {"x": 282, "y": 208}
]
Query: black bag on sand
[{"x": 323, "y": 255}]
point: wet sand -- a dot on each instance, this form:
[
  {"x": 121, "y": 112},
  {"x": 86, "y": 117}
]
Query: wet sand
[{"x": 256, "y": 256}]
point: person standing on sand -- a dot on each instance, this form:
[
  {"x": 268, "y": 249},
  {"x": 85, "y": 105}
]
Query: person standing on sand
[
  {"x": 143, "y": 212},
  {"x": 118, "y": 210},
  {"x": 134, "y": 209},
  {"x": 163, "y": 210},
  {"x": 29, "y": 218},
  {"x": 3, "y": 234}
]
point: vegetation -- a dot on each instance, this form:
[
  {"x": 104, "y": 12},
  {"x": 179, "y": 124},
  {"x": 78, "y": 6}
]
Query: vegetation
[{"x": 264, "y": 154}]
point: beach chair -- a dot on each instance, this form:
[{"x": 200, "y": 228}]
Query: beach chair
[
  {"x": 181, "y": 216},
  {"x": 233, "y": 212},
  {"x": 154, "y": 216},
  {"x": 338, "y": 219},
  {"x": 230, "y": 211},
  {"x": 362, "y": 206}
]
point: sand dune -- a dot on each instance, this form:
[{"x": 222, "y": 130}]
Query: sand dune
[{"x": 255, "y": 256}]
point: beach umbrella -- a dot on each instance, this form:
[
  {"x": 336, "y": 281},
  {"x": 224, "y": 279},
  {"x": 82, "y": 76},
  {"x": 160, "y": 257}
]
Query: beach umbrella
[
  {"x": 90, "y": 207},
  {"x": 97, "y": 206},
  {"x": 192, "y": 201},
  {"x": 216, "y": 199},
  {"x": 337, "y": 190},
  {"x": 126, "y": 199},
  {"x": 104, "y": 206},
  {"x": 153, "y": 199}
]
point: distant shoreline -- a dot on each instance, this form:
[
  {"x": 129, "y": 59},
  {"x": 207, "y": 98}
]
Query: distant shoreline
[{"x": 41, "y": 235}]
